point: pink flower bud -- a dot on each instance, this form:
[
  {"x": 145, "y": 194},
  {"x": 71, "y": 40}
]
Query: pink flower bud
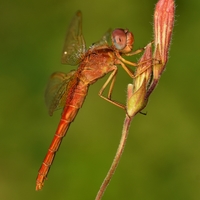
[{"x": 163, "y": 26}]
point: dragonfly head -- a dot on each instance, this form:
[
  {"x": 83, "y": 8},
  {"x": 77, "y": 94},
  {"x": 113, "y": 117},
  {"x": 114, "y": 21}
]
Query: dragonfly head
[{"x": 122, "y": 40}]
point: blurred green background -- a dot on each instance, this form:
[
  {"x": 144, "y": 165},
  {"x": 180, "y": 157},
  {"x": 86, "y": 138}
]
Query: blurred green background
[{"x": 162, "y": 156}]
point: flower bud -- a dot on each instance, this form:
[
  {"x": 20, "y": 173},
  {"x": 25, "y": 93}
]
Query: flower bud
[
  {"x": 163, "y": 26},
  {"x": 137, "y": 92}
]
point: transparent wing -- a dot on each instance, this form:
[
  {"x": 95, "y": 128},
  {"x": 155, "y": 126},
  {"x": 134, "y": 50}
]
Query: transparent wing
[
  {"x": 105, "y": 40},
  {"x": 74, "y": 46},
  {"x": 56, "y": 91}
]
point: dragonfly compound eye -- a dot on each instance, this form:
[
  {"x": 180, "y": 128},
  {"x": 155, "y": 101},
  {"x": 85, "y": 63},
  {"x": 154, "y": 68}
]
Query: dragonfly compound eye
[{"x": 119, "y": 38}]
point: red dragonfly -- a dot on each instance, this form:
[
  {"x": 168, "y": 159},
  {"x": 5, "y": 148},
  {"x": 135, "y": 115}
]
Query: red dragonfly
[{"x": 68, "y": 90}]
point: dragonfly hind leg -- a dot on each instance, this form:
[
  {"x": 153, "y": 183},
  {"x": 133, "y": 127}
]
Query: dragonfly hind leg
[{"x": 111, "y": 79}]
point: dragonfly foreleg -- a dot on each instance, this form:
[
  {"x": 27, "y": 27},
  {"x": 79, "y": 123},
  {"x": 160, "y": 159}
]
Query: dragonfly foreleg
[
  {"x": 134, "y": 53},
  {"x": 138, "y": 50}
]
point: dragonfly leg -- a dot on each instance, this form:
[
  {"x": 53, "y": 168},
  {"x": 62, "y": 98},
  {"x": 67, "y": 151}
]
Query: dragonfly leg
[
  {"x": 138, "y": 50},
  {"x": 131, "y": 74},
  {"x": 128, "y": 71},
  {"x": 123, "y": 62},
  {"x": 134, "y": 53},
  {"x": 111, "y": 79},
  {"x": 120, "y": 58}
]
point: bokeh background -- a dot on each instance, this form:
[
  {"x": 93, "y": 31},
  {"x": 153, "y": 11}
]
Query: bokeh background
[{"x": 162, "y": 156}]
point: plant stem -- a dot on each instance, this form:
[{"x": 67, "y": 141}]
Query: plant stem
[{"x": 118, "y": 155}]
